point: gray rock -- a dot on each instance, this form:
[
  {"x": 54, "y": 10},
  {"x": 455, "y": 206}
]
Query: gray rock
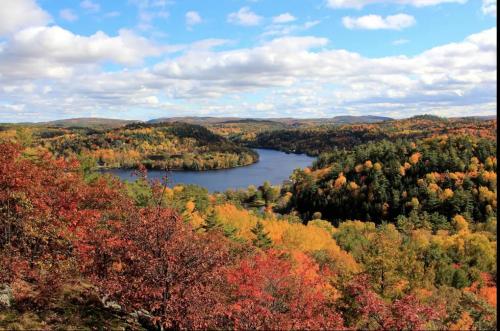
[
  {"x": 6, "y": 296},
  {"x": 113, "y": 305}
]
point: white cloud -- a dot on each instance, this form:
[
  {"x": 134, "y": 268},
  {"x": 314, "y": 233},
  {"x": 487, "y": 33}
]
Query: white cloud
[
  {"x": 49, "y": 72},
  {"x": 284, "y": 18},
  {"x": 244, "y": 17},
  {"x": 149, "y": 11},
  {"x": 90, "y": 5},
  {"x": 376, "y": 22},
  {"x": 277, "y": 30},
  {"x": 489, "y": 7},
  {"x": 53, "y": 52},
  {"x": 358, "y": 4},
  {"x": 193, "y": 18},
  {"x": 400, "y": 41},
  {"x": 18, "y": 14},
  {"x": 68, "y": 15}
]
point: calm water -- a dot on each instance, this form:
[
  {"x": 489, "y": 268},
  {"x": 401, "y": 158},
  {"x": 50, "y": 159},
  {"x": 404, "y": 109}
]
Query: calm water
[{"x": 273, "y": 166}]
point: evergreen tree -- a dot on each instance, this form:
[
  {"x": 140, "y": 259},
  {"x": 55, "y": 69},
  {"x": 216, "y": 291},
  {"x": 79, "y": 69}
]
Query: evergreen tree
[
  {"x": 211, "y": 222},
  {"x": 262, "y": 239}
]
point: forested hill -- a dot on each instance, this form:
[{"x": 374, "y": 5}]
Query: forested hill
[
  {"x": 156, "y": 146},
  {"x": 424, "y": 182},
  {"x": 89, "y": 122},
  {"x": 318, "y": 139}
]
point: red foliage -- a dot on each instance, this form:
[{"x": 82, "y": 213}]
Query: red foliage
[
  {"x": 269, "y": 292},
  {"x": 372, "y": 312},
  {"x": 35, "y": 200},
  {"x": 151, "y": 260}
]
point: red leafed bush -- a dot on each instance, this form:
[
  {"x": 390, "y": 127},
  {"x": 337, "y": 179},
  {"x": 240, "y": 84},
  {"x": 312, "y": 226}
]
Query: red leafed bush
[
  {"x": 367, "y": 310},
  {"x": 36, "y": 199},
  {"x": 269, "y": 291},
  {"x": 152, "y": 261}
]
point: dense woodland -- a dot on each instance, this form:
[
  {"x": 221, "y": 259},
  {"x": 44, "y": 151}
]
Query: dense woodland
[
  {"x": 397, "y": 232},
  {"x": 155, "y": 146},
  {"x": 318, "y": 139}
]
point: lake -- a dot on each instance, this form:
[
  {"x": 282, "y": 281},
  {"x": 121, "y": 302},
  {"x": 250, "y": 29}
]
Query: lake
[{"x": 273, "y": 166}]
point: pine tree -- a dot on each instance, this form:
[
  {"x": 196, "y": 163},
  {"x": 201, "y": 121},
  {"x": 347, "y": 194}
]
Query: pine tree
[
  {"x": 262, "y": 239},
  {"x": 212, "y": 223}
]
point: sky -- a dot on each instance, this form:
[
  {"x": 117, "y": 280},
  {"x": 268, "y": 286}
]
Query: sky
[{"x": 145, "y": 59}]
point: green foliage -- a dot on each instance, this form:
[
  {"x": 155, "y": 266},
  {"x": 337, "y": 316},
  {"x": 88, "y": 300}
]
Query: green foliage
[
  {"x": 140, "y": 191},
  {"x": 262, "y": 239}
]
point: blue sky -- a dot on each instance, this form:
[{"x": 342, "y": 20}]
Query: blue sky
[{"x": 142, "y": 59}]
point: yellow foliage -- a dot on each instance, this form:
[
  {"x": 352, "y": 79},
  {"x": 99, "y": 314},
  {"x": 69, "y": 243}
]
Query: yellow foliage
[
  {"x": 464, "y": 323},
  {"x": 432, "y": 177},
  {"x": 325, "y": 225},
  {"x": 414, "y": 203},
  {"x": 433, "y": 187},
  {"x": 320, "y": 173},
  {"x": 190, "y": 205},
  {"x": 460, "y": 223},
  {"x": 317, "y": 235},
  {"x": 340, "y": 181},
  {"x": 447, "y": 193},
  {"x": 241, "y": 219},
  {"x": 489, "y": 176},
  {"x": 178, "y": 188},
  {"x": 169, "y": 193},
  {"x": 485, "y": 195},
  {"x": 421, "y": 238},
  {"x": 415, "y": 157},
  {"x": 377, "y": 166},
  {"x": 353, "y": 186},
  {"x": 196, "y": 220},
  {"x": 491, "y": 162}
]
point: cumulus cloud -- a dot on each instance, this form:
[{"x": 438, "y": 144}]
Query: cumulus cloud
[
  {"x": 358, "y": 4},
  {"x": 49, "y": 72},
  {"x": 489, "y": 7},
  {"x": 277, "y": 30},
  {"x": 19, "y": 14},
  {"x": 284, "y": 18},
  {"x": 244, "y": 17},
  {"x": 68, "y": 15},
  {"x": 376, "y": 22},
  {"x": 193, "y": 18},
  {"x": 54, "y": 52},
  {"x": 299, "y": 75}
]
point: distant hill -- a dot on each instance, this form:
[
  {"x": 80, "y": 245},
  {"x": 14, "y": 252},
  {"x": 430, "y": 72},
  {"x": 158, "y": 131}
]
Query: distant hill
[
  {"x": 480, "y": 118},
  {"x": 207, "y": 120},
  {"x": 360, "y": 119},
  {"x": 89, "y": 122},
  {"x": 194, "y": 120}
]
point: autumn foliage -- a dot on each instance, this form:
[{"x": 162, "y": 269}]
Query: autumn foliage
[{"x": 180, "y": 258}]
